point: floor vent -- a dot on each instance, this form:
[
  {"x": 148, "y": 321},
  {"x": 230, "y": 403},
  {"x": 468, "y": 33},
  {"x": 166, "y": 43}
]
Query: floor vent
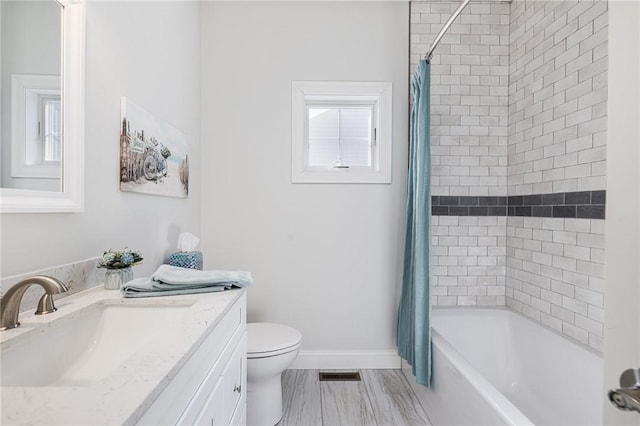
[{"x": 351, "y": 376}]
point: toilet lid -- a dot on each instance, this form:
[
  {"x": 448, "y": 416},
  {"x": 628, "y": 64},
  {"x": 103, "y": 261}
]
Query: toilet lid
[{"x": 264, "y": 337}]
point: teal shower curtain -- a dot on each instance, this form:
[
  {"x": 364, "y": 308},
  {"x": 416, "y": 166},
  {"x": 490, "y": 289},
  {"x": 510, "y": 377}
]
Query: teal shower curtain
[{"x": 414, "y": 328}]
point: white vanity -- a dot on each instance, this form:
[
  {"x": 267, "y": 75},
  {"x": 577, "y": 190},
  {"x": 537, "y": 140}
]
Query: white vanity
[
  {"x": 102, "y": 359},
  {"x": 210, "y": 388}
]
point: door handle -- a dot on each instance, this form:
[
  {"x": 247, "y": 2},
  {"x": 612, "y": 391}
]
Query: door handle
[{"x": 627, "y": 397}]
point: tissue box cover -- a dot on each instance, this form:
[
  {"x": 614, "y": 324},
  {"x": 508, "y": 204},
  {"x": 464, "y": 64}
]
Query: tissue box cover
[{"x": 191, "y": 259}]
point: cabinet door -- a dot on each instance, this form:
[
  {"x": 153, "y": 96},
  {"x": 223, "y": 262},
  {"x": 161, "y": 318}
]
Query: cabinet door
[
  {"x": 229, "y": 392},
  {"x": 213, "y": 411},
  {"x": 235, "y": 380}
]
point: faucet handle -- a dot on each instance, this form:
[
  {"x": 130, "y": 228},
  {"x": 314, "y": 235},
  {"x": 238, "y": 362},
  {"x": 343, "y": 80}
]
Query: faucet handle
[
  {"x": 45, "y": 305},
  {"x": 628, "y": 396}
]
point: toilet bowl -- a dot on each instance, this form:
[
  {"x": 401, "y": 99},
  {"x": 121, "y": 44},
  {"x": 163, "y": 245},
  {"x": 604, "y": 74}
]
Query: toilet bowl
[{"x": 271, "y": 348}]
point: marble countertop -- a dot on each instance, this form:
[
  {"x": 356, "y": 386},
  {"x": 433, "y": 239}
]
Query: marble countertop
[{"x": 125, "y": 393}]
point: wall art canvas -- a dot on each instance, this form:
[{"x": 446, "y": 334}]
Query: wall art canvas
[{"x": 153, "y": 154}]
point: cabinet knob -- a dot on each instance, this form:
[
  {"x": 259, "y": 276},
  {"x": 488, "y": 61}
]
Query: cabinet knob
[{"x": 237, "y": 388}]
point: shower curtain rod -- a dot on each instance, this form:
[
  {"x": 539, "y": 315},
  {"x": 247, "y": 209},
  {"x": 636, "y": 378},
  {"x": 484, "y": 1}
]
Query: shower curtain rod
[{"x": 444, "y": 29}]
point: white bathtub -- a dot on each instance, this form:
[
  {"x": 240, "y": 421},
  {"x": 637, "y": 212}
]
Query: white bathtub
[{"x": 496, "y": 367}]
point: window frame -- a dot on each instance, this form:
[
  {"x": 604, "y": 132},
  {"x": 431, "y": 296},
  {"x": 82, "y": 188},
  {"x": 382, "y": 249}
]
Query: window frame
[{"x": 378, "y": 95}]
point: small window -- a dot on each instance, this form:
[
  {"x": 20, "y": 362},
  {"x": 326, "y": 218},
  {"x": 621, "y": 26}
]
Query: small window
[
  {"x": 36, "y": 126},
  {"x": 341, "y": 132}
]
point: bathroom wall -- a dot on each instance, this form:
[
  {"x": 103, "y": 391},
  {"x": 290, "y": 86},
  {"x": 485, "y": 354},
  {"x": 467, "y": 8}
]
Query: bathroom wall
[
  {"x": 557, "y": 138},
  {"x": 325, "y": 257},
  {"x": 150, "y": 52},
  {"x": 470, "y": 77}
]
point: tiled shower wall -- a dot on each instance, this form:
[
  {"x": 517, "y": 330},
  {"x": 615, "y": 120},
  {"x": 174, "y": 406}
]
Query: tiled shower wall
[
  {"x": 557, "y": 96},
  {"x": 557, "y": 136},
  {"x": 469, "y": 95},
  {"x": 469, "y": 118},
  {"x": 519, "y": 109}
]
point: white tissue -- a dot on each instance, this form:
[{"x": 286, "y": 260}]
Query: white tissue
[{"x": 187, "y": 242}]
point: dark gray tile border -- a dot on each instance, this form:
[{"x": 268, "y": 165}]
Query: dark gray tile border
[{"x": 580, "y": 204}]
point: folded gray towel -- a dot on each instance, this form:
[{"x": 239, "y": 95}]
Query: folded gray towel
[
  {"x": 171, "y": 280},
  {"x": 146, "y": 287}
]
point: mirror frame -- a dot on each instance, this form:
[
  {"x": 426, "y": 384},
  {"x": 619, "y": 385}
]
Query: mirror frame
[{"x": 71, "y": 197}]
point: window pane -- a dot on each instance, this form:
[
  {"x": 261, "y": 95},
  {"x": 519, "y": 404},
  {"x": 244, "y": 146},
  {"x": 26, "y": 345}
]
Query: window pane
[
  {"x": 52, "y": 130},
  {"x": 355, "y": 152},
  {"x": 324, "y": 122},
  {"x": 355, "y": 123},
  {"x": 323, "y": 152}
]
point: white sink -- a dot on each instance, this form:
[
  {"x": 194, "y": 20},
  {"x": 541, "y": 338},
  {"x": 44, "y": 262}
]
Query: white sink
[{"x": 83, "y": 348}]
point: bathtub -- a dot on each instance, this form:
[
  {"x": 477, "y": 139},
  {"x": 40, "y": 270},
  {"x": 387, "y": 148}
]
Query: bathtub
[{"x": 492, "y": 366}]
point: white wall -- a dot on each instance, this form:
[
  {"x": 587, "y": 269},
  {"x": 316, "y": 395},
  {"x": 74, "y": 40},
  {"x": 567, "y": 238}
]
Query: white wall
[
  {"x": 150, "y": 52},
  {"x": 325, "y": 257}
]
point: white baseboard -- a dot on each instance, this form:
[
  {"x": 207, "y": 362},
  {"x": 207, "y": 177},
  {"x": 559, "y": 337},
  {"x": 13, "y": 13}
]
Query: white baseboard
[{"x": 346, "y": 360}]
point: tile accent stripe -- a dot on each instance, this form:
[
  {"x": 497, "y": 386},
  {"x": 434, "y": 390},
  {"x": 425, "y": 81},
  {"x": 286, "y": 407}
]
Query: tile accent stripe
[{"x": 581, "y": 205}]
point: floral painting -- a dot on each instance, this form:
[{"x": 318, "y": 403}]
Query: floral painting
[{"x": 153, "y": 154}]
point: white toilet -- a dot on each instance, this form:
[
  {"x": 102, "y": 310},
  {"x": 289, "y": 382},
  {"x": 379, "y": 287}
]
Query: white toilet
[{"x": 271, "y": 348}]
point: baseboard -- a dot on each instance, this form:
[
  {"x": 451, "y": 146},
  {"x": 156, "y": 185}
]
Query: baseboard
[{"x": 345, "y": 360}]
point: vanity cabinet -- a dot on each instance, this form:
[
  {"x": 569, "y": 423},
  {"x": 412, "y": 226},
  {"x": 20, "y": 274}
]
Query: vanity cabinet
[{"x": 210, "y": 388}]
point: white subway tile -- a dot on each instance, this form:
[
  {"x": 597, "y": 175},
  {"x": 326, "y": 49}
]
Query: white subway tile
[
  {"x": 574, "y": 305},
  {"x": 592, "y": 155},
  {"x": 446, "y": 301},
  {"x": 591, "y": 297},
  {"x": 591, "y": 269},
  {"x": 590, "y": 240},
  {"x": 596, "y": 314},
  {"x": 562, "y": 313},
  {"x": 580, "y": 89},
  {"x": 595, "y": 342},
  {"x": 551, "y": 321},
  {"x": 575, "y": 333},
  {"x": 597, "y": 226},
  {"x": 593, "y": 69},
  {"x": 596, "y": 284},
  {"x": 577, "y": 252}
]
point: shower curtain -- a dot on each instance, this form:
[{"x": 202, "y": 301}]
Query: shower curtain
[{"x": 414, "y": 328}]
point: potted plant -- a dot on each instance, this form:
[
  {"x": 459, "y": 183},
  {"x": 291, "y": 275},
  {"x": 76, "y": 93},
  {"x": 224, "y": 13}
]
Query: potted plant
[{"x": 118, "y": 265}]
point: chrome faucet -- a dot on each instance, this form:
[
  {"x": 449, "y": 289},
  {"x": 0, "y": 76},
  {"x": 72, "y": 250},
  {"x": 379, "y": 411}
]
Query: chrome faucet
[{"x": 10, "y": 302}]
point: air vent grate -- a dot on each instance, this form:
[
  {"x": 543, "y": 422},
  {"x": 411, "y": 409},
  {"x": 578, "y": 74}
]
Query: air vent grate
[{"x": 342, "y": 376}]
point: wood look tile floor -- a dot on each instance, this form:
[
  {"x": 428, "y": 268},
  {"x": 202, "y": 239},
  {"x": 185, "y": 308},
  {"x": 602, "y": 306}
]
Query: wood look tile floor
[{"x": 382, "y": 398}]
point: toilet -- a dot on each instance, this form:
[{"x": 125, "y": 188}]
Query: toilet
[{"x": 271, "y": 348}]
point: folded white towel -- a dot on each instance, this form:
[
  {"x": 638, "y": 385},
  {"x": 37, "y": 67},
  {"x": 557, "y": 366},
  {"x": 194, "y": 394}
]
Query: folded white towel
[{"x": 176, "y": 276}]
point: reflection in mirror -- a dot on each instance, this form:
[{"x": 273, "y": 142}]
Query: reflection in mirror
[
  {"x": 31, "y": 108},
  {"x": 42, "y": 77}
]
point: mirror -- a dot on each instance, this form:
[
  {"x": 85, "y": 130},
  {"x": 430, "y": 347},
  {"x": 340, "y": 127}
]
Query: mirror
[{"x": 42, "y": 106}]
